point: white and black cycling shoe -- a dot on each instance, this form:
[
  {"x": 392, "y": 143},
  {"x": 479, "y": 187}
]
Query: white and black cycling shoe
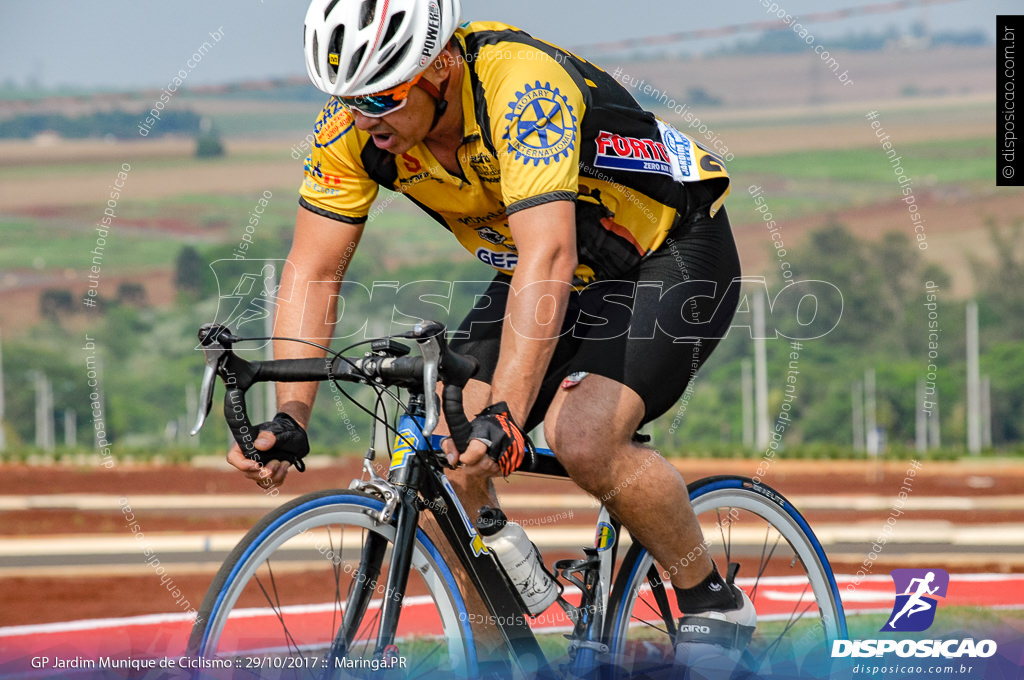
[{"x": 709, "y": 645}]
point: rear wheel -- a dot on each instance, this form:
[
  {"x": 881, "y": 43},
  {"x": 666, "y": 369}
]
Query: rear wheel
[
  {"x": 301, "y": 596},
  {"x": 783, "y": 570}
]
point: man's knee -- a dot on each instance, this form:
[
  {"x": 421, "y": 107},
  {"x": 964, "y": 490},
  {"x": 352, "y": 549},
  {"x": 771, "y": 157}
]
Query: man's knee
[{"x": 583, "y": 457}]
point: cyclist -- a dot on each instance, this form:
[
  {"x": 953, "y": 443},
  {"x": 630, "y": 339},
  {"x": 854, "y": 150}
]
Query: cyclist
[{"x": 605, "y": 225}]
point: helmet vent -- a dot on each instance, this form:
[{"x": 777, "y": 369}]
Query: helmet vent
[
  {"x": 389, "y": 67},
  {"x": 316, "y": 54},
  {"x": 355, "y": 61},
  {"x": 366, "y": 13},
  {"x": 393, "y": 26},
  {"x": 387, "y": 52},
  {"x": 334, "y": 52},
  {"x": 330, "y": 6}
]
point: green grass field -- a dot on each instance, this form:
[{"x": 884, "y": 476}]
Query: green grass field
[
  {"x": 829, "y": 180},
  {"x": 811, "y": 183},
  {"x": 49, "y": 245},
  {"x": 941, "y": 161}
]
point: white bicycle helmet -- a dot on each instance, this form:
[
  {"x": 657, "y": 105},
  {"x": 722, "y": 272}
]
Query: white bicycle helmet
[{"x": 360, "y": 47}]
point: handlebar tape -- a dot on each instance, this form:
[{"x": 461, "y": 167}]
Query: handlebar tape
[
  {"x": 238, "y": 421},
  {"x": 295, "y": 370},
  {"x": 457, "y": 370},
  {"x": 455, "y": 415}
]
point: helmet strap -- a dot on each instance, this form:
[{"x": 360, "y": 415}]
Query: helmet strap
[{"x": 438, "y": 95}]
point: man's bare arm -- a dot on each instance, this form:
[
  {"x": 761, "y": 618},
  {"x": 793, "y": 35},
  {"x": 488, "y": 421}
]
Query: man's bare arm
[
  {"x": 545, "y": 238},
  {"x": 321, "y": 250}
]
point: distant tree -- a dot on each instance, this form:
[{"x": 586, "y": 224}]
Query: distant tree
[
  {"x": 120, "y": 124},
  {"x": 188, "y": 271},
  {"x": 698, "y": 96},
  {"x": 131, "y": 294},
  {"x": 1001, "y": 284},
  {"x": 881, "y": 283},
  {"x": 209, "y": 146},
  {"x": 55, "y": 302}
]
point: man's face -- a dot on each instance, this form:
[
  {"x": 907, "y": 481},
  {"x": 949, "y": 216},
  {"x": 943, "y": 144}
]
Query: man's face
[{"x": 398, "y": 132}]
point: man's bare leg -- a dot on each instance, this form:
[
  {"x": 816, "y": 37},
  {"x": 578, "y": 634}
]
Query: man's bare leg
[{"x": 590, "y": 428}]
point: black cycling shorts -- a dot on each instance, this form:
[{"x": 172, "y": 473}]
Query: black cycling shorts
[{"x": 650, "y": 330}]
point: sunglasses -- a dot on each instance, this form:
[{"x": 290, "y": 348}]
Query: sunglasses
[{"x": 380, "y": 103}]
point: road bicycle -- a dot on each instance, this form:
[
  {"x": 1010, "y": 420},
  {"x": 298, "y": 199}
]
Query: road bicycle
[{"x": 347, "y": 583}]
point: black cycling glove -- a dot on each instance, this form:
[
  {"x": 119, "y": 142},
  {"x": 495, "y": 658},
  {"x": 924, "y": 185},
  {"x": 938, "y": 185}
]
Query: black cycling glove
[
  {"x": 506, "y": 443},
  {"x": 291, "y": 445}
]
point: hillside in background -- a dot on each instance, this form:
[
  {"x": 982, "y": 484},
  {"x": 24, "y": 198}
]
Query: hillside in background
[{"x": 795, "y": 131}]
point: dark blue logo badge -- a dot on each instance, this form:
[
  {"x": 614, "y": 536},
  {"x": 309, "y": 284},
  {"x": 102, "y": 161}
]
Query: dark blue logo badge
[{"x": 916, "y": 590}]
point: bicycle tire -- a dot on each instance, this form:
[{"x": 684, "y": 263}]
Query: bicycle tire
[
  {"x": 229, "y": 630},
  {"x": 639, "y": 645}
]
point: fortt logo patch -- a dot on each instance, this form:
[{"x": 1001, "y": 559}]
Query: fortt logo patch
[{"x": 916, "y": 593}]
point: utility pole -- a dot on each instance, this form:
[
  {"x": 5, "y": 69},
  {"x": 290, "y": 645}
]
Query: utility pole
[
  {"x": 920, "y": 420},
  {"x": 748, "y": 403},
  {"x": 44, "y": 412},
  {"x": 858, "y": 417},
  {"x": 70, "y": 428},
  {"x": 934, "y": 439},
  {"x": 986, "y": 412},
  {"x": 870, "y": 423},
  {"x": 973, "y": 382},
  {"x": 3, "y": 432},
  {"x": 760, "y": 374}
]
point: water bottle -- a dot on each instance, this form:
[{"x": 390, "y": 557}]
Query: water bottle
[{"x": 520, "y": 559}]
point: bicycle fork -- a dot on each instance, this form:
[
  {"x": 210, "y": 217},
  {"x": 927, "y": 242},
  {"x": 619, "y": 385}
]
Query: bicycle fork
[
  {"x": 365, "y": 585},
  {"x": 400, "y": 502}
]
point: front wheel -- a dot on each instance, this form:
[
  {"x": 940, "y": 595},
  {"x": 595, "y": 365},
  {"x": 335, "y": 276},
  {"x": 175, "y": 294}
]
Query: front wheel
[
  {"x": 301, "y": 595},
  {"x": 783, "y": 570}
]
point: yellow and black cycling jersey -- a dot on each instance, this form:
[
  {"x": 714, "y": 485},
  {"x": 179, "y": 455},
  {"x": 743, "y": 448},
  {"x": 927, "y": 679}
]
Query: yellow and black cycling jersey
[{"x": 541, "y": 125}]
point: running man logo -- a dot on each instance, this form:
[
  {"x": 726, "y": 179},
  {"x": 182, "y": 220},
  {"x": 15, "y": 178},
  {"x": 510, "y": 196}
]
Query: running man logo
[{"x": 914, "y": 610}]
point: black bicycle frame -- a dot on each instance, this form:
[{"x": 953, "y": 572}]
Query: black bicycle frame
[{"x": 499, "y": 595}]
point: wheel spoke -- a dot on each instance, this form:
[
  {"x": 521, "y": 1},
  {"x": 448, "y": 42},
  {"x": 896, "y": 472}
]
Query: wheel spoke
[
  {"x": 275, "y": 597},
  {"x": 764, "y": 559},
  {"x": 275, "y": 605},
  {"x": 726, "y": 543},
  {"x": 657, "y": 612},
  {"x": 782, "y": 561},
  {"x": 789, "y": 624},
  {"x": 650, "y": 625},
  {"x": 336, "y": 567}
]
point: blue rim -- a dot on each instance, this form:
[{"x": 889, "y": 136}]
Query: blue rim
[
  {"x": 791, "y": 511},
  {"x": 373, "y": 504}
]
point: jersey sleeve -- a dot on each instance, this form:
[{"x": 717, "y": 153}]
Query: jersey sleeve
[
  {"x": 535, "y": 112},
  {"x": 335, "y": 184}
]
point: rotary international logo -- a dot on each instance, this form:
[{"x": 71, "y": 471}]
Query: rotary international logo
[{"x": 541, "y": 125}]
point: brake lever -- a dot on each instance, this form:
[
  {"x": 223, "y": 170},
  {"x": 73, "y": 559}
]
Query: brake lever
[
  {"x": 429, "y": 335},
  {"x": 205, "y": 398},
  {"x": 210, "y": 337}
]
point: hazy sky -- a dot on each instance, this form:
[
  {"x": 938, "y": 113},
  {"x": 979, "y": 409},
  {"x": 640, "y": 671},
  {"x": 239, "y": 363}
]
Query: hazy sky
[{"x": 142, "y": 43}]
